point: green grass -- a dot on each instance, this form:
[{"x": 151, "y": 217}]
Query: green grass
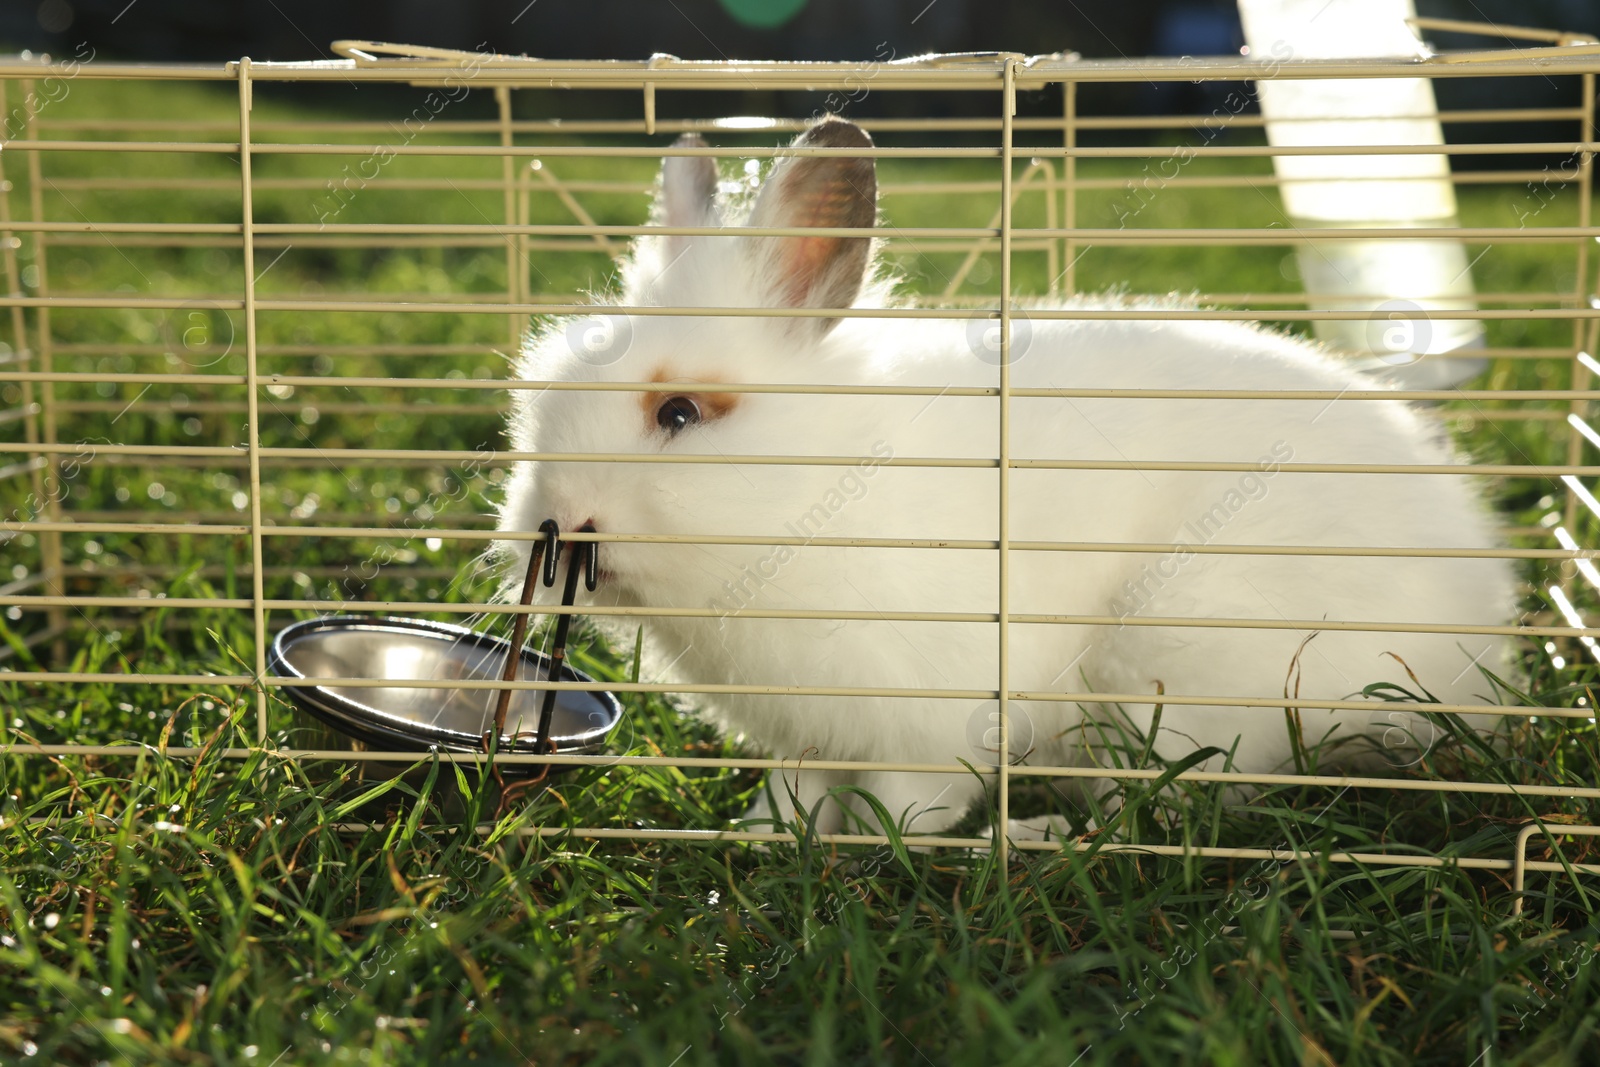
[{"x": 213, "y": 911}]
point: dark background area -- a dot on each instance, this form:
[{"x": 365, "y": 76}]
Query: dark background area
[
  {"x": 866, "y": 30},
  {"x": 692, "y": 29}
]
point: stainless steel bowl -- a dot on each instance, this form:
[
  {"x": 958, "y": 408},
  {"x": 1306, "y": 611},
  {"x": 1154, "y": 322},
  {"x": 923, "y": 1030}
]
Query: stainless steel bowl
[{"x": 402, "y": 717}]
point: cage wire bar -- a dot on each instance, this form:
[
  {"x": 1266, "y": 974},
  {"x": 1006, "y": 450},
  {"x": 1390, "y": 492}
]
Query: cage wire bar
[{"x": 1052, "y": 173}]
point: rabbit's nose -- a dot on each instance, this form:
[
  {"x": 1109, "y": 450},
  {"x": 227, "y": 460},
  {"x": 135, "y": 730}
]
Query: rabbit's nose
[{"x": 564, "y": 521}]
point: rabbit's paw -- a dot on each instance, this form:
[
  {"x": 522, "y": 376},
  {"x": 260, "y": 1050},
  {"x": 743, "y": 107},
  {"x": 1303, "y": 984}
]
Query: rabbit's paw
[{"x": 1056, "y": 828}]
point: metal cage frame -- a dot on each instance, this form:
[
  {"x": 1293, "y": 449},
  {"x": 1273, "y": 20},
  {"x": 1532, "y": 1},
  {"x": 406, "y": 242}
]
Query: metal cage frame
[{"x": 1053, "y": 173}]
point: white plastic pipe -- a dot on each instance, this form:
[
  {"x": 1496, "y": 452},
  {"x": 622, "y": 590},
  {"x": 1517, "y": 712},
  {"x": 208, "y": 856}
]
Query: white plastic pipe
[{"x": 1400, "y": 281}]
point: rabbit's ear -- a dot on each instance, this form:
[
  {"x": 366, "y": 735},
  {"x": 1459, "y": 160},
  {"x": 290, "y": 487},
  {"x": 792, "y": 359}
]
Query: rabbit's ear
[
  {"x": 688, "y": 191},
  {"x": 820, "y": 191}
]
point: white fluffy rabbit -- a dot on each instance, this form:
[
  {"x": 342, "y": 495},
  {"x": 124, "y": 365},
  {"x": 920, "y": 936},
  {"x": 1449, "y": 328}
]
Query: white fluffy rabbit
[{"x": 1263, "y": 505}]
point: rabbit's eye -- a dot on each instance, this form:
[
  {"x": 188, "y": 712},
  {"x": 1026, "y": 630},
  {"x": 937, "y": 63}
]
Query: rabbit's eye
[{"x": 677, "y": 412}]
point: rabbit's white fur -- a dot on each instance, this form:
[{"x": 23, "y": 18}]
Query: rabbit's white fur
[{"x": 1259, "y": 506}]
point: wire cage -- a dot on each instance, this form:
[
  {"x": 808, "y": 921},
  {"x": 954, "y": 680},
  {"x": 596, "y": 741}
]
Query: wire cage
[{"x": 166, "y": 400}]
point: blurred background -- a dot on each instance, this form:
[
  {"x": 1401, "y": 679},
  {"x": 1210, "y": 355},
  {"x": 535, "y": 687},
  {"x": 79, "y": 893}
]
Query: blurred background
[
  {"x": 184, "y": 30},
  {"x": 692, "y": 29},
  {"x": 879, "y": 30}
]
